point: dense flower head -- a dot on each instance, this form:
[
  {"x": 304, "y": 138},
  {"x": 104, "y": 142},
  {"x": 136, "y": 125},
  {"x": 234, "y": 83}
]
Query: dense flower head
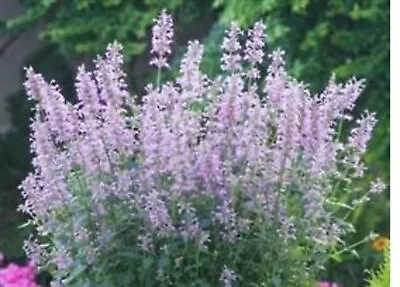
[
  {"x": 191, "y": 80},
  {"x": 254, "y": 152},
  {"x": 231, "y": 58},
  {"x": 162, "y": 39},
  {"x": 327, "y": 284},
  {"x": 377, "y": 186},
  {"x": 18, "y": 276},
  {"x": 228, "y": 277},
  {"x": 361, "y": 134},
  {"x": 254, "y": 53},
  {"x": 380, "y": 243}
]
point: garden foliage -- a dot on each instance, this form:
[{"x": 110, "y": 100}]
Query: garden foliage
[
  {"x": 232, "y": 181},
  {"x": 84, "y": 27},
  {"x": 381, "y": 277}
]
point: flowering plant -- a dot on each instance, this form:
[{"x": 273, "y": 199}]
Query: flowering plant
[
  {"x": 13, "y": 275},
  {"x": 381, "y": 277},
  {"x": 233, "y": 181}
]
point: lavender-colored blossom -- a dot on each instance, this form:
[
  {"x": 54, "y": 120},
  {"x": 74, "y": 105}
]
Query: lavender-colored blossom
[
  {"x": 308, "y": 125},
  {"x": 254, "y": 48},
  {"x": 192, "y": 80},
  {"x": 110, "y": 79},
  {"x": 209, "y": 166},
  {"x": 253, "y": 131},
  {"x": 231, "y": 107},
  {"x": 227, "y": 217},
  {"x": 255, "y": 43},
  {"x": 115, "y": 59},
  {"x": 361, "y": 134},
  {"x": 231, "y": 59},
  {"x": 145, "y": 242},
  {"x": 87, "y": 94},
  {"x": 377, "y": 187},
  {"x": 288, "y": 132},
  {"x": 276, "y": 80},
  {"x": 36, "y": 252},
  {"x": 62, "y": 258},
  {"x": 345, "y": 102},
  {"x": 46, "y": 189},
  {"x": 57, "y": 111},
  {"x": 157, "y": 213},
  {"x": 324, "y": 149},
  {"x": 162, "y": 40},
  {"x": 227, "y": 277}
]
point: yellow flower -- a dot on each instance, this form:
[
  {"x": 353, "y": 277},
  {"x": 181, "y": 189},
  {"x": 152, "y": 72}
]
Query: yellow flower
[{"x": 380, "y": 243}]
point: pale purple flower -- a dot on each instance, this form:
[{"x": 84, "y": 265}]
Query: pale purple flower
[
  {"x": 324, "y": 152},
  {"x": 62, "y": 258},
  {"x": 110, "y": 79},
  {"x": 88, "y": 95},
  {"x": 228, "y": 277},
  {"x": 145, "y": 242},
  {"x": 377, "y": 186},
  {"x": 275, "y": 81},
  {"x": 254, "y": 48},
  {"x": 231, "y": 107},
  {"x": 192, "y": 81},
  {"x": 231, "y": 58},
  {"x": 227, "y": 217},
  {"x": 58, "y": 112},
  {"x": 46, "y": 189},
  {"x": 361, "y": 134},
  {"x": 36, "y": 253},
  {"x": 209, "y": 166},
  {"x": 162, "y": 40},
  {"x": 156, "y": 213},
  {"x": 308, "y": 125}
]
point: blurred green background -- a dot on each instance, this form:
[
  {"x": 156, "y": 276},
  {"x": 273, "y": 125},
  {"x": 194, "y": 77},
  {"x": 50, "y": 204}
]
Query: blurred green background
[{"x": 346, "y": 37}]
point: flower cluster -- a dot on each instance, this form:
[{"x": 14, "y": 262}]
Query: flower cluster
[
  {"x": 212, "y": 161},
  {"x": 162, "y": 39},
  {"x": 380, "y": 243},
  {"x": 327, "y": 284},
  {"x": 18, "y": 276}
]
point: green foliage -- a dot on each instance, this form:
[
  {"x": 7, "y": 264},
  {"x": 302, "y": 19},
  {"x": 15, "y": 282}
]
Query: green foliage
[
  {"x": 261, "y": 258},
  {"x": 381, "y": 278},
  {"x": 85, "y": 27}
]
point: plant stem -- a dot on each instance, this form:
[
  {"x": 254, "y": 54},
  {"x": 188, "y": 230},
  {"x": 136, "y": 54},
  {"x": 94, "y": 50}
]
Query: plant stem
[
  {"x": 158, "y": 78},
  {"x": 350, "y": 247},
  {"x": 339, "y": 132}
]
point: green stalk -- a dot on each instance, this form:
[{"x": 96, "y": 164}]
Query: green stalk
[
  {"x": 350, "y": 247},
  {"x": 158, "y": 78}
]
